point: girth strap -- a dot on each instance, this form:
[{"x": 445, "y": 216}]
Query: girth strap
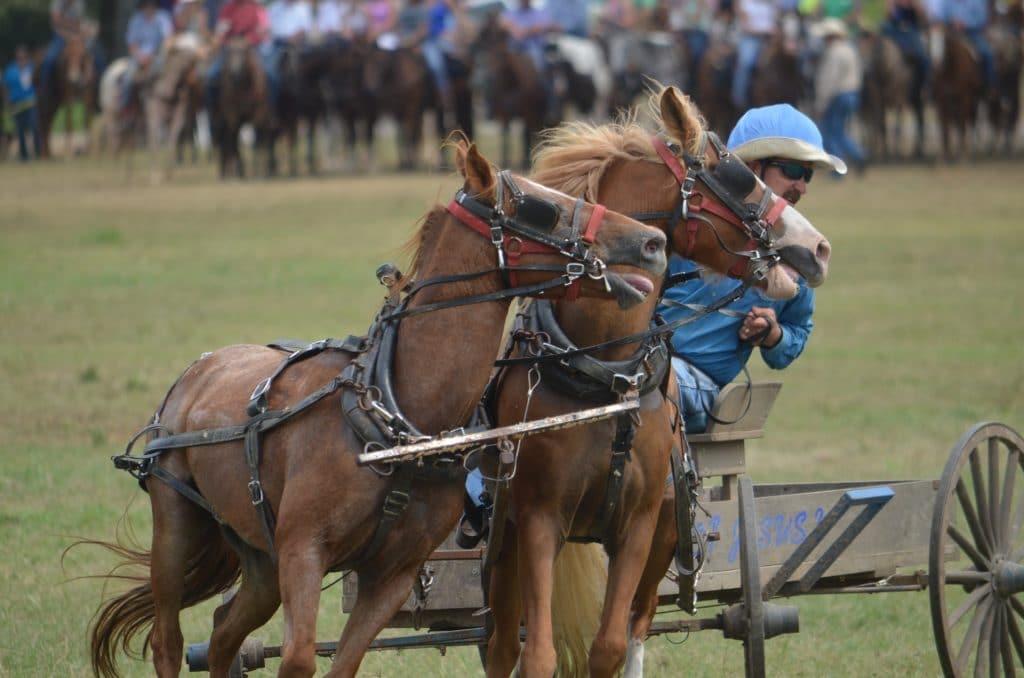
[
  {"x": 621, "y": 446},
  {"x": 183, "y": 489},
  {"x": 259, "y": 498}
]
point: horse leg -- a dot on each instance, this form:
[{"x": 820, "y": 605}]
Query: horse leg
[
  {"x": 624, "y": 571},
  {"x": 179, "y": 529},
  {"x": 300, "y": 574},
  {"x": 506, "y": 611},
  {"x": 311, "y": 145},
  {"x": 646, "y": 599},
  {"x": 378, "y": 600},
  {"x": 255, "y": 602},
  {"x": 536, "y": 577}
]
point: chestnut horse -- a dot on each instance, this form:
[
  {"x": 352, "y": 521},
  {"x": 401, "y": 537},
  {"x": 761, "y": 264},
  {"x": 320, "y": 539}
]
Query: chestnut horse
[
  {"x": 243, "y": 98},
  {"x": 888, "y": 81},
  {"x": 558, "y": 491},
  {"x": 958, "y": 89},
  {"x": 329, "y": 509},
  {"x": 514, "y": 91},
  {"x": 74, "y": 80}
]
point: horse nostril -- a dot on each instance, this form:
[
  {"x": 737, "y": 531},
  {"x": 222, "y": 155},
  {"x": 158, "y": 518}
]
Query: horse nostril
[
  {"x": 824, "y": 251},
  {"x": 655, "y": 244}
]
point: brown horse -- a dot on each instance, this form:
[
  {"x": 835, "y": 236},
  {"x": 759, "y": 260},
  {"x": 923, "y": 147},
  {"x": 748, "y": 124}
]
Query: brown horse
[
  {"x": 243, "y": 98},
  {"x": 776, "y": 78},
  {"x": 558, "y": 491},
  {"x": 958, "y": 89},
  {"x": 885, "y": 94},
  {"x": 400, "y": 85},
  {"x": 515, "y": 90},
  {"x": 74, "y": 80},
  {"x": 1007, "y": 39},
  {"x": 330, "y": 509}
]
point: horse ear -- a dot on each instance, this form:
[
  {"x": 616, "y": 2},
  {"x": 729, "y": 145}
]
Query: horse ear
[
  {"x": 681, "y": 119},
  {"x": 475, "y": 168}
]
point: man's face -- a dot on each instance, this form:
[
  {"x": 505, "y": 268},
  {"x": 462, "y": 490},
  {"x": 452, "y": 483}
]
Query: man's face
[{"x": 788, "y": 178}]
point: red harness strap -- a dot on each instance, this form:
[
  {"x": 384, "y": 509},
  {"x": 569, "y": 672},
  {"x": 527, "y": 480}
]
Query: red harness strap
[{"x": 515, "y": 247}]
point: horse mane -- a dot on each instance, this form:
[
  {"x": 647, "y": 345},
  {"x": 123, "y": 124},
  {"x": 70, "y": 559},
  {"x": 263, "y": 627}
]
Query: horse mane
[
  {"x": 574, "y": 156},
  {"x": 416, "y": 246}
]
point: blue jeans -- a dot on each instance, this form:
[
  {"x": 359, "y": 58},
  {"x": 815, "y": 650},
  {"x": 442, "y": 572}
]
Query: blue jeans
[
  {"x": 475, "y": 485},
  {"x": 977, "y": 38},
  {"x": 697, "y": 393},
  {"x": 27, "y": 124},
  {"x": 433, "y": 53},
  {"x": 748, "y": 51},
  {"x": 833, "y": 127},
  {"x": 911, "y": 44}
]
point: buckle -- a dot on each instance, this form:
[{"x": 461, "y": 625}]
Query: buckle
[
  {"x": 575, "y": 269},
  {"x": 261, "y": 388},
  {"x": 395, "y": 503},
  {"x": 256, "y": 492},
  {"x": 624, "y": 383}
]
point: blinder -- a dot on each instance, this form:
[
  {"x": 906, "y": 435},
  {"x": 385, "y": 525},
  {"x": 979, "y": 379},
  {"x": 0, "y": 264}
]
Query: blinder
[{"x": 537, "y": 213}]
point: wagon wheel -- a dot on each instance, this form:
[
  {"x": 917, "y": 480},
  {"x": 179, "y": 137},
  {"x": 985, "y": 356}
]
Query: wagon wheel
[
  {"x": 750, "y": 575},
  {"x": 976, "y": 615}
]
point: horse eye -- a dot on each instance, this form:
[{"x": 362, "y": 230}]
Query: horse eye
[
  {"x": 735, "y": 176},
  {"x": 537, "y": 213}
]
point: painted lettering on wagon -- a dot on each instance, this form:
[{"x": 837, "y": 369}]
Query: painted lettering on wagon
[{"x": 773, "y": 531}]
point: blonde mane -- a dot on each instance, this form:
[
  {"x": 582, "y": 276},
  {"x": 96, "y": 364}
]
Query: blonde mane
[{"x": 574, "y": 156}]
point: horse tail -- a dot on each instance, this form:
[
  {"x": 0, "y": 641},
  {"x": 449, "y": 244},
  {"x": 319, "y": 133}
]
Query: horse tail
[
  {"x": 211, "y": 570},
  {"x": 580, "y": 578}
]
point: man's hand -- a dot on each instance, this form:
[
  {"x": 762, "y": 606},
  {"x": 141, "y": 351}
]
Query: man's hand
[{"x": 761, "y": 328}]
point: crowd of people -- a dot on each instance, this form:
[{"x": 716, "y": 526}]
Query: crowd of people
[{"x": 439, "y": 28}]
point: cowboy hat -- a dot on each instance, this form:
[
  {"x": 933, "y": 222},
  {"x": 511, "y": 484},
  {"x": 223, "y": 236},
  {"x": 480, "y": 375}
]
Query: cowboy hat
[{"x": 781, "y": 131}]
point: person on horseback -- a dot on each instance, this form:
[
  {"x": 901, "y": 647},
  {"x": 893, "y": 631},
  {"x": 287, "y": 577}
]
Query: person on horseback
[
  {"x": 756, "y": 20},
  {"x": 572, "y": 17},
  {"x": 905, "y": 21},
  {"x": 150, "y": 30},
  {"x": 246, "y": 19},
  {"x": 971, "y": 18},
  {"x": 69, "y": 22},
  {"x": 783, "y": 147},
  {"x": 695, "y": 18},
  {"x": 528, "y": 28},
  {"x": 190, "y": 18}
]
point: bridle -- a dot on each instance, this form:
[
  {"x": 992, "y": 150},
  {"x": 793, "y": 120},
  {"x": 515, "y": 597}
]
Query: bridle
[{"x": 728, "y": 184}]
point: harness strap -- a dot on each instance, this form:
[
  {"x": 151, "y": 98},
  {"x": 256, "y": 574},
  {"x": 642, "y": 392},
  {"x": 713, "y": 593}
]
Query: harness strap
[
  {"x": 396, "y": 501},
  {"x": 183, "y": 489},
  {"x": 621, "y": 446},
  {"x": 259, "y": 498}
]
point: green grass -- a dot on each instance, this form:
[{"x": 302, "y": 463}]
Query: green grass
[{"x": 107, "y": 291}]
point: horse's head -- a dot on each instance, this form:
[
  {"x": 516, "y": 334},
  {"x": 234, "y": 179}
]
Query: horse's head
[
  {"x": 77, "y": 64},
  {"x": 728, "y": 219},
  {"x": 536, "y": 229}
]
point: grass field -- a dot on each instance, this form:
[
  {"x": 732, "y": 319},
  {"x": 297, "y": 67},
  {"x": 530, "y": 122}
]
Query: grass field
[{"x": 107, "y": 292}]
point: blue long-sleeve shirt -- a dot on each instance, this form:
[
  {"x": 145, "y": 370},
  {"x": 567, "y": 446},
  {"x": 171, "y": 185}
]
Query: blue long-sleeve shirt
[
  {"x": 20, "y": 92},
  {"x": 712, "y": 343},
  {"x": 973, "y": 14}
]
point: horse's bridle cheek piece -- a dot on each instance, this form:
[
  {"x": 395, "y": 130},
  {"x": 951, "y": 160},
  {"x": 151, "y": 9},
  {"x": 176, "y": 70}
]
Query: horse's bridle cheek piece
[
  {"x": 755, "y": 221},
  {"x": 512, "y": 239}
]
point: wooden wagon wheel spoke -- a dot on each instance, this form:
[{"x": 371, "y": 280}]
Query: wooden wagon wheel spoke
[
  {"x": 979, "y": 561},
  {"x": 968, "y": 604},
  {"x": 981, "y": 500},
  {"x": 1005, "y": 649},
  {"x": 972, "y": 583},
  {"x": 1015, "y": 635},
  {"x": 1006, "y": 501},
  {"x": 969, "y": 643},
  {"x": 972, "y": 520},
  {"x": 994, "y": 519}
]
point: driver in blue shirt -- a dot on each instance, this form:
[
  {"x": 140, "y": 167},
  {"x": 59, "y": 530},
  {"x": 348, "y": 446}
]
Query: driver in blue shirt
[{"x": 784, "y": 148}]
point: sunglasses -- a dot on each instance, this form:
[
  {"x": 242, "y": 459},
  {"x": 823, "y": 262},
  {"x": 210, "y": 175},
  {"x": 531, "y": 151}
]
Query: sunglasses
[{"x": 793, "y": 171}]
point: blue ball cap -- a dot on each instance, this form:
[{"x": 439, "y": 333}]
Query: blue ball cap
[{"x": 781, "y": 131}]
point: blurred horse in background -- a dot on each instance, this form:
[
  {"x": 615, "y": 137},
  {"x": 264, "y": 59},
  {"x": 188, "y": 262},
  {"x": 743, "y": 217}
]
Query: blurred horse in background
[
  {"x": 958, "y": 87},
  {"x": 514, "y": 89},
  {"x": 884, "y": 95},
  {"x": 777, "y": 78},
  {"x": 400, "y": 85},
  {"x": 301, "y": 101},
  {"x": 243, "y": 99},
  {"x": 74, "y": 81},
  {"x": 1005, "y": 37},
  {"x": 171, "y": 101}
]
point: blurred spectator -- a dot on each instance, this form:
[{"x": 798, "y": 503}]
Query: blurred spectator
[
  {"x": 837, "y": 91},
  {"x": 905, "y": 22},
  {"x": 693, "y": 19},
  {"x": 67, "y": 17},
  {"x": 572, "y": 16},
  {"x": 21, "y": 99},
  {"x": 756, "y": 20},
  {"x": 190, "y": 19},
  {"x": 149, "y": 30}
]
